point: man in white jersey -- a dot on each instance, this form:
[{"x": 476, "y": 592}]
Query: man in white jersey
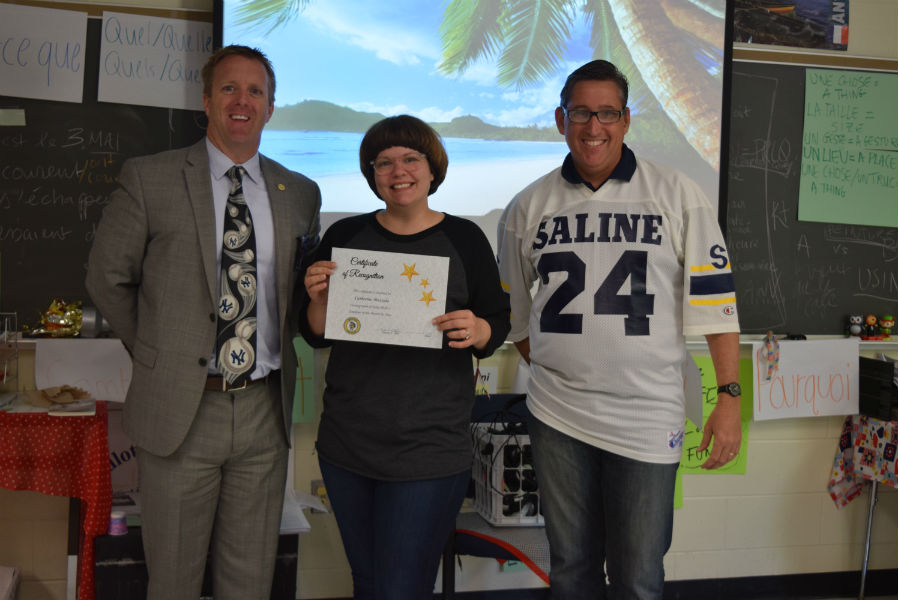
[{"x": 630, "y": 259}]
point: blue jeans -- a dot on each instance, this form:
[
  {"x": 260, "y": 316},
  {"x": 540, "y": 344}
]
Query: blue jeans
[
  {"x": 393, "y": 532},
  {"x": 605, "y": 514}
]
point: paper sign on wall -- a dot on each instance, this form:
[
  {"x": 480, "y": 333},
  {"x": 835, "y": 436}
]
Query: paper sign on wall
[
  {"x": 811, "y": 379},
  {"x": 692, "y": 459},
  {"x": 304, "y": 394},
  {"x": 848, "y": 159},
  {"x": 42, "y": 53},
  {"x": 102, "y": 367},
  {"x": 153, "y": 61},
  {"x": 487, "y": 380}
]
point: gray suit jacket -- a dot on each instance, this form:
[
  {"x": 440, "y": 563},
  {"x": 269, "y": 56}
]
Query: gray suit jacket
[{"x": 152, "y": 275}]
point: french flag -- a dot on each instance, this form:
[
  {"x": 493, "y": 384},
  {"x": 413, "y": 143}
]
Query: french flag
[{"x": 840, "y": 34}]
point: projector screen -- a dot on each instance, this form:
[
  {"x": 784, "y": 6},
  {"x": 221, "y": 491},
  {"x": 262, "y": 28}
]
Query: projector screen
[{"x": 487, "y": 76}]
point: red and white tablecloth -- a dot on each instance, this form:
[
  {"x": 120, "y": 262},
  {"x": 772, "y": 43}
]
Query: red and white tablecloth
[
  {"x": 62, "y": 456},
  {"x": 867, "y": 451}
]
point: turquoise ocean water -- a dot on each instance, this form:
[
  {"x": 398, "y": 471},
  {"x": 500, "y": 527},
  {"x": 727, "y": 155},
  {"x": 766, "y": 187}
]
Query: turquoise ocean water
[{"x": 323, "y": 153}]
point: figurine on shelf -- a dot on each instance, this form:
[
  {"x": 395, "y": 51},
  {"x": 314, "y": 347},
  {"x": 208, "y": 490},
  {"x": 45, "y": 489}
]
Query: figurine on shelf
[
  {"x": 61, "y": 319},
  {"x": 871, "y": 328},
  {"x": 855, "y": 325},
  {"x": 886, "y": 322}
]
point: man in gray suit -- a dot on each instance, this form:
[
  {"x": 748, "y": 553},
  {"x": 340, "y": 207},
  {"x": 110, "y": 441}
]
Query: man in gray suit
[{"x": 212, "y": 454}]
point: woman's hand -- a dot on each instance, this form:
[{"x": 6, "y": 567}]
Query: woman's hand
[
  {"x": 316, "y": 280},
  {"x": 464, "y": 329}
]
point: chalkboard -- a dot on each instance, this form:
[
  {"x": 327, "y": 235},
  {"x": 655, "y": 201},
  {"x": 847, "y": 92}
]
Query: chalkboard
[
  {"x": 793, "y": 276},
  {"x": 56, "y": 175}
]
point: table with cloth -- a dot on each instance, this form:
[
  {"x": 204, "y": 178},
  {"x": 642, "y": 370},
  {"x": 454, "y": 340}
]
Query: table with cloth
[
  {"x": 867, "y": 448},
  {"x": 867, "y": 452},
  {"x": 62, "y": 456}
]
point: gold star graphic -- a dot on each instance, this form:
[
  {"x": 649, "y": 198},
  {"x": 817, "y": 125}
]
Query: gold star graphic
[
  {"x": 409, "y": 270},
  {"x": 425, "y": 282},
  {"x": 427, "y": 298}
]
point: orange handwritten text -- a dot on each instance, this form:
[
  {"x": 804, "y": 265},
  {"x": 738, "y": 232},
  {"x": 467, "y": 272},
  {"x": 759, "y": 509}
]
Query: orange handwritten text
[{"x": 801, "y": 393}]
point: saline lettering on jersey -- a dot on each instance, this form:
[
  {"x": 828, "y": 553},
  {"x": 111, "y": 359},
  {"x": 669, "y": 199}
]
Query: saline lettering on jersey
[{"x": 605, "y": 228}]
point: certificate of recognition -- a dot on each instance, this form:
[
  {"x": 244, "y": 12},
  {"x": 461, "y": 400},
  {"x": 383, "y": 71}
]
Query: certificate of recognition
[{"x": 386, "y": 297}]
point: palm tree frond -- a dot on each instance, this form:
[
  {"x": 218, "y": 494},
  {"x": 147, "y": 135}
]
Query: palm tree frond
[
  {"x": 603, "y": 35},
  {"x": 605, "y": 38},
  {"x": 715, "y": 8},
  {"x": 691, "y": 19},
  {"x": 269, "y": 13},
  {"x": 470, "y": 29},
  {"x": 535, "y": 32}
]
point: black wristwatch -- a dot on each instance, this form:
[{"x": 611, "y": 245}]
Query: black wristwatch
[{"x": 733, "y": 389}]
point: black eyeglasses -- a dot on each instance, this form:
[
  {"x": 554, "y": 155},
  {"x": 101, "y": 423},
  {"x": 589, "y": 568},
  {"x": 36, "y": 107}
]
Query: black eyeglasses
[{"x": 605, "y": 116}]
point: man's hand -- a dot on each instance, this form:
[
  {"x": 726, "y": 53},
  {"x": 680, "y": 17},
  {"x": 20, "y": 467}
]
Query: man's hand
[{"x": 724, "y": 428}]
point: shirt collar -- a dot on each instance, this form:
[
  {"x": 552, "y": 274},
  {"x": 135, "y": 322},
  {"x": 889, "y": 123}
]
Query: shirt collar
[
  {"x": 219, "y": 163},
  {"x": 623, "y": 170}
]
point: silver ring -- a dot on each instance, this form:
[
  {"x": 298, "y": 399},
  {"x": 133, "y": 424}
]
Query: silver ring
[{"x": 467, "y": 334}]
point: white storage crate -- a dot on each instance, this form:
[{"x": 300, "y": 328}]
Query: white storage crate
[{"x": 505, "y": 488}]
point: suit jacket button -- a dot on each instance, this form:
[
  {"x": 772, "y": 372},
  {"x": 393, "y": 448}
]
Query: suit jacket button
[{"x": 203, "y": 362}]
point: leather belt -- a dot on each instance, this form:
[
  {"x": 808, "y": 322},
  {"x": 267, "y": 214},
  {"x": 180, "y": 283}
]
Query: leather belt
[{"x": 217, "y": 383}]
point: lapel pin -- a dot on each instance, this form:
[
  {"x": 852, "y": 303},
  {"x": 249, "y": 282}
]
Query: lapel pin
[{"x": 282, "y": 187}]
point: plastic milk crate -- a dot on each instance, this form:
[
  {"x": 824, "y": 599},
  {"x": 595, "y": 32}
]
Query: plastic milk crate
[{"x": 505, "y": 488}]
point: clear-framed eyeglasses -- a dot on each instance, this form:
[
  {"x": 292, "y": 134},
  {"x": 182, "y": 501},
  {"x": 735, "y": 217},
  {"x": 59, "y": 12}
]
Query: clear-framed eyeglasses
[
  {"x": 411, "y": 161},
  {"x": 605, "y": 116}
]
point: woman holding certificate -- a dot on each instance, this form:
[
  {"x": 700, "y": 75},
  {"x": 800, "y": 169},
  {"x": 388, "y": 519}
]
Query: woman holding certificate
[{"x": 421, "y": 288}]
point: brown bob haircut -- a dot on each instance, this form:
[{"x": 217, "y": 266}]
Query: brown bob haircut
[
  {"x": 219, "y": 55},
  {"x": 409, "y": 132}
]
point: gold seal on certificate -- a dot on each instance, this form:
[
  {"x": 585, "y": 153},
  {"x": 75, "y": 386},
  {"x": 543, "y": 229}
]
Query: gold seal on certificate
[
  {"x": 386, "y": 297},
  {"x": 351, "y": 325}
]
